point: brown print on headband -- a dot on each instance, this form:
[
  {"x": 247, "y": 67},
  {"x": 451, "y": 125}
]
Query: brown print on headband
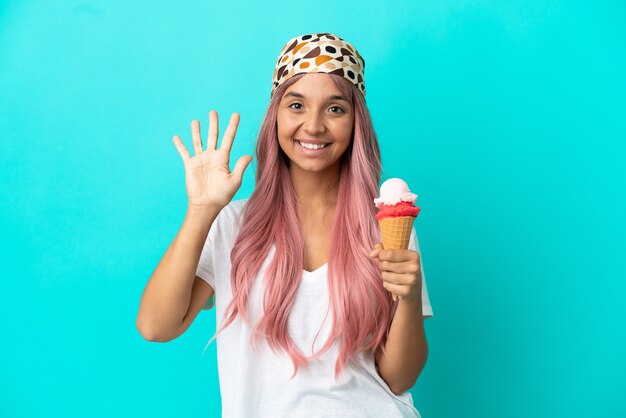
[{"x": 313, "y": 53}]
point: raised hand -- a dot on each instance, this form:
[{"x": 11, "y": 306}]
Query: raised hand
[{"x": 210, "y": 183}]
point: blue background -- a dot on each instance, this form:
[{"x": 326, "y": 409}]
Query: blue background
[{"x": 507, "y": 118}]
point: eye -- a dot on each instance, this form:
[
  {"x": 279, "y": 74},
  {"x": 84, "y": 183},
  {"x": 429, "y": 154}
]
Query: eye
[{"x": 339, "y": 110}]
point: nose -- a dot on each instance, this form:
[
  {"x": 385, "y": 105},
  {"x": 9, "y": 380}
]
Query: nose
[{"x": 314, "y": 123}]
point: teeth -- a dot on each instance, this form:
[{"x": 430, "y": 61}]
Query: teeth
[{"x": 312, "y": 146}]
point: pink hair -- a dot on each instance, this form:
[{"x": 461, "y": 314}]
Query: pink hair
[{"x": 362, "y": 308}]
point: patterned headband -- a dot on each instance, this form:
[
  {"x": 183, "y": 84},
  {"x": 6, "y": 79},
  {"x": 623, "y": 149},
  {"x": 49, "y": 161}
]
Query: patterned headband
[{"x": 319, "y": 53}]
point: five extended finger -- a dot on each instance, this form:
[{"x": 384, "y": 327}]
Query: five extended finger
[
  {"x": 241, "y": 165},
  {"x": 181, "y": 149},
  {"x": 211, "y": 143},
  {"x": 229, "y": 135},
  {"x": 196, "y": 138}
]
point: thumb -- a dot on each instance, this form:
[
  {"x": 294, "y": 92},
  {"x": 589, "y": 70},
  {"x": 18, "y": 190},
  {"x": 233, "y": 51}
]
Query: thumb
[
  {"x": 376, "y": 250},
  {"x": 241, "y": 165}
]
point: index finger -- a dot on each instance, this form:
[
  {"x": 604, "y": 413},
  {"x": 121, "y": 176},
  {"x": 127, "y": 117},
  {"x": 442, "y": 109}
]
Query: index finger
[
  {"x": 229, "y": 135},
  {"x": 397, "y": 256}
]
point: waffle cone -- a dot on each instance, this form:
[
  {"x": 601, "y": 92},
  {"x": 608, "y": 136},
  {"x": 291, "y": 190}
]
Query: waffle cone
[{"x": 396, "y": 232}]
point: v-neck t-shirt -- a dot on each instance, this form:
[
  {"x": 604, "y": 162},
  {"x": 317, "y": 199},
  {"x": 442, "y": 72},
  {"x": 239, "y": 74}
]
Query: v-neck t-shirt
[{"x": 256, "y": 383}]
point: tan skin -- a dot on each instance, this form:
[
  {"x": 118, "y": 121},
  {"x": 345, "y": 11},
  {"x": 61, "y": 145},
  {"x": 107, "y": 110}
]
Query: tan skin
[
  {"x": 314, "y": 116},
  {"x": 317, "y": 230}
]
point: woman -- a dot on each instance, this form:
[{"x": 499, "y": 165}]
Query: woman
[{"x": 301, "y": 282}]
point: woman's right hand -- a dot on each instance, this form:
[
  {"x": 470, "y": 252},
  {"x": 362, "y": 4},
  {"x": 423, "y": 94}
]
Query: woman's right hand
[{"x": 210, "y": 183}]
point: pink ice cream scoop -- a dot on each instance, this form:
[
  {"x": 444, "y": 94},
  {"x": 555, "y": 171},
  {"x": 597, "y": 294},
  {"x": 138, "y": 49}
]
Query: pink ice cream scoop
[{"x": 396, "y": 200}]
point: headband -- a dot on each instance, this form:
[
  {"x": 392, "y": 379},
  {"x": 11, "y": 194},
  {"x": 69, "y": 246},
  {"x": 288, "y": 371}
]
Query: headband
[{"x": 319, "y": 53}]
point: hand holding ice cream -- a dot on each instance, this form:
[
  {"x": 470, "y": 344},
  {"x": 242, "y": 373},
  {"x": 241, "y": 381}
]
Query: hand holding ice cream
[{"x": 397, "y": 212}]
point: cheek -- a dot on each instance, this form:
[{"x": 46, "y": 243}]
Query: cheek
[
  {"x": 345, "y": 132},
  {"x": 285, "y": 129}
]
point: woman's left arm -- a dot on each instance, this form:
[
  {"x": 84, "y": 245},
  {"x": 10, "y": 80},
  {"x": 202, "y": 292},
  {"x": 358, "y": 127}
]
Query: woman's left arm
[{"x": 406, "y": 347}]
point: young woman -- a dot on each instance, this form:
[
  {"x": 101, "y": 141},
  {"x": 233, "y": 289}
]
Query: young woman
[{"x": 298, "y": 276}]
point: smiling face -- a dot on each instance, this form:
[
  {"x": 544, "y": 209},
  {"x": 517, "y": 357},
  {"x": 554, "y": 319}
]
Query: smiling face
[{"x": 314, "y": 124}]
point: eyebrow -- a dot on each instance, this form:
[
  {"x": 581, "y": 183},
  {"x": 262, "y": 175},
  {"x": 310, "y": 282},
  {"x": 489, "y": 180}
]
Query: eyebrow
[{"x": 296, "y": 94}]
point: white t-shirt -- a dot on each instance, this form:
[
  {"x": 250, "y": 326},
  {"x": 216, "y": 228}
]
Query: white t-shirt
[{"x": 256, "y": 384}]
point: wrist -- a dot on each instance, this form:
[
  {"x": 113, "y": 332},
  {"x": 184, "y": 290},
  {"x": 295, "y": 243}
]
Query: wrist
[
  {"x": 203, "y": 211},
  {"x": 411, "y": 302},
  {"x": 201, "y": 217}
]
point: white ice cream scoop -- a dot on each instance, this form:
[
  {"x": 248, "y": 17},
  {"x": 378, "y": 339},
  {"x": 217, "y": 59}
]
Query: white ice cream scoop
[{"x": 394, "y": 191}]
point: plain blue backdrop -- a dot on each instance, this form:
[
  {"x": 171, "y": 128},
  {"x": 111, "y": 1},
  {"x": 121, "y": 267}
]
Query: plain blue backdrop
[{"x": 507, "y": 118}]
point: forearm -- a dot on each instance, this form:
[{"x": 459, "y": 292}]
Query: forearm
[
  {"x": 165, "y": 300},
  {"x": 406, "y": 347}
]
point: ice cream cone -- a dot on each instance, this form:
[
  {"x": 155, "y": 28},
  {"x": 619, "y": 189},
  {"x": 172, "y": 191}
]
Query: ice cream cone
[{"x": 396, "y": 232}]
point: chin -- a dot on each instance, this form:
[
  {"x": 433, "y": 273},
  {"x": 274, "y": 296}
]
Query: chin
[
  {"x": 313, "y": 168},
  {"x": 310, "y": 168}
]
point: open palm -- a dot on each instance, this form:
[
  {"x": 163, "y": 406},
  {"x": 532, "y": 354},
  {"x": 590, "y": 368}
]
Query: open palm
[{"x": 210, "y": 183}]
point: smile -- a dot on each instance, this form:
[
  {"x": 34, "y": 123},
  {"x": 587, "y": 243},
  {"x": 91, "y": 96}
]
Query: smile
[{"x": 312, "y": 146}]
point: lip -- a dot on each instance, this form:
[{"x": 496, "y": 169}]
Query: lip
[{"x": 312, "y": 152}]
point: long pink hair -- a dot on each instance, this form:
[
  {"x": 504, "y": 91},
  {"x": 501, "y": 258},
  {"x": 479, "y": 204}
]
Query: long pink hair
[{"x": 362, "y": 308}]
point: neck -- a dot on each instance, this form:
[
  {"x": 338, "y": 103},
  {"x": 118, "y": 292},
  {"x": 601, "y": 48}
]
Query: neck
[{"x": 316, "y": 190}]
